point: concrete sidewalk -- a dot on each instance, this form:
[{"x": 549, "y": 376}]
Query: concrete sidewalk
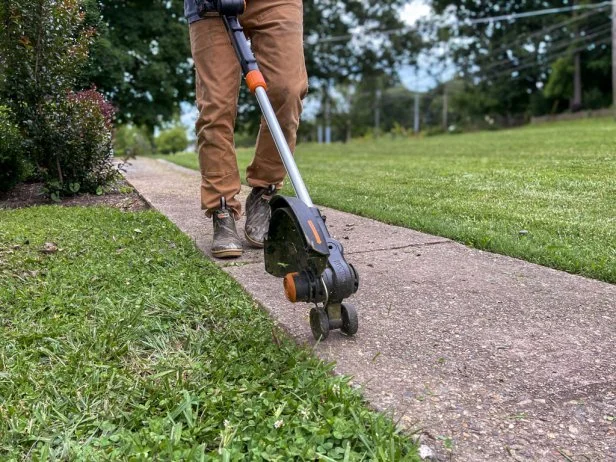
[{"x": 485, "y": 356}]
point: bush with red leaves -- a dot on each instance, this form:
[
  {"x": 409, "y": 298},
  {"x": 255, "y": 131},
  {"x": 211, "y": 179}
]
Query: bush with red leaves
[{"x": 73, "y": 143}]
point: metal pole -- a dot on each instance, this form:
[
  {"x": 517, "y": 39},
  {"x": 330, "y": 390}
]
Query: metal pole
[
  {"x": 283, "y": 147},
  {"x": 328, "y": 120},
  {"x": 377, "y": 113},
  {"x": 416, "y": 119},
  {"x": 577, "y": 83},
  {"x": 348, "y": 121},
  {"x": 576, "y": 102},
  {"x": 445, "y": 108},
  {"x": 327, "y": 112}
]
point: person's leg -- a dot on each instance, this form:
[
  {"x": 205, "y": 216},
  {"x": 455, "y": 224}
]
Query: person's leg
[
  {"x": 276, "y": 31},
  {"x": 217, "y": 86}
]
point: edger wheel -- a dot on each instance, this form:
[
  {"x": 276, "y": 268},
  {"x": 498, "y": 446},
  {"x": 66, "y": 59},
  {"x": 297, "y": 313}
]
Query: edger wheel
[
  {"x": 350, "y": 323},
  {"x": 319, "y": 323}
]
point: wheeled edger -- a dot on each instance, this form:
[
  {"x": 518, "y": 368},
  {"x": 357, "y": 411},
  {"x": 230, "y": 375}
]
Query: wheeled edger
[{"x": 298, "y": 246}]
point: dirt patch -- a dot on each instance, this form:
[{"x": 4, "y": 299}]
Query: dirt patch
[{"x": 119, "y": 195}]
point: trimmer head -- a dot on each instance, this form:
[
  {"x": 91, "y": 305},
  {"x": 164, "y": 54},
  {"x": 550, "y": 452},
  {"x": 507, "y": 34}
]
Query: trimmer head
[{"x": 299, "y": 249}]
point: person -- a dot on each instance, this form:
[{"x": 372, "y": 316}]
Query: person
[{"x": 275, "y": 29}]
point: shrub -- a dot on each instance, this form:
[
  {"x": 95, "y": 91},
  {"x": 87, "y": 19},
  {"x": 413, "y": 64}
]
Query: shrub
[
  {"x": 434, "y": 131},
  {"x": 43, "y": 50},
  {"x": 44, "y": 47},
  {"x": 11, "y": 151},
  {"x": 246, "y": 140},
  {"x": 131, "y": 141},
  {"x": 73, "y": 143},
  {"x": 172, "y": 140}
]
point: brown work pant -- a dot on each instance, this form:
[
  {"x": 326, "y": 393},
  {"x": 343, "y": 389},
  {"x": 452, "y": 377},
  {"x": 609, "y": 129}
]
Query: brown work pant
[{"x": 275, "y": 28}]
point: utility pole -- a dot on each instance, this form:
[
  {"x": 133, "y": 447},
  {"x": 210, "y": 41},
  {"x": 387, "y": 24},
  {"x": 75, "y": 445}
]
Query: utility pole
[
  {"x": 445, "y": 108},
  {"x": 327, "y": 113},
  {"x": 377, "y": 113},
  {"x": 328, "y": 123},
  {"x": 349, "y": 102},
  {"x": 416, "y": 117},
  {"x": 576, "y": 102}
]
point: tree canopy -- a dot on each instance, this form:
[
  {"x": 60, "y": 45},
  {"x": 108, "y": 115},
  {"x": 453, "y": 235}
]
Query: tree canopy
[
  {"x": 510, "y": 62},
  {"x": 141, "y": 59},
  {"x": 351, "y": 38}
]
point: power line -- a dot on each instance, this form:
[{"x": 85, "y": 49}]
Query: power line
[
  {"x": 529, "y": 14},
  {"x": 560, "y": 44},
  {"x": 554, "y": 48},
  {"x": 508, "y": 17},
  {"x": 546, "y": 30},
  {"x": 548, "y": 56},
  {"x": 550, "y": 45},
  {"x": 533, "y": 62},
  {"x": 594, "y": 36}
]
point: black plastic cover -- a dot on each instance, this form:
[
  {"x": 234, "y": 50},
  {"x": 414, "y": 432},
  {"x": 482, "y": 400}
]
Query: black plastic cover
[{"x": 296, "y": 240}]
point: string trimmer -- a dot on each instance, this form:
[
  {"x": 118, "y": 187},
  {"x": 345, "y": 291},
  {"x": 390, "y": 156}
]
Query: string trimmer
[{"x": 298, "y": 247}]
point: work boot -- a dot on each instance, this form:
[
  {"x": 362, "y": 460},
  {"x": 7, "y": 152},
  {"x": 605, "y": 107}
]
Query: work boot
[
  {"x": 258, "y": 215},
  {"x": 226, "y": 242}
]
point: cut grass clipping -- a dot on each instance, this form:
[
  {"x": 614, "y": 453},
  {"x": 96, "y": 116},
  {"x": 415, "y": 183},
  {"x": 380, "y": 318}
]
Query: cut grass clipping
[
  {"x": 119, "y": 340},
  {"x": 546, "y": 193}
]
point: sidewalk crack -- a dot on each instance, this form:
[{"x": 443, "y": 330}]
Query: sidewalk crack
[{"x": 407, "y": 246}]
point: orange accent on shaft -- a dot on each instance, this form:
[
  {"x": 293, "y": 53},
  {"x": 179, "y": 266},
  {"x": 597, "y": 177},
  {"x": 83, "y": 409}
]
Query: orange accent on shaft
[
  {"x": 254, "y": 80},
  {"x": 314, "y": 231},
  {"x": 289, "y": 287}
]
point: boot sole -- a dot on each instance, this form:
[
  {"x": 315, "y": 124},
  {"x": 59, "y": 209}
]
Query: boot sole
[
  {"x": 252, "y": 242},
  {"x": 233, "y": 253}
]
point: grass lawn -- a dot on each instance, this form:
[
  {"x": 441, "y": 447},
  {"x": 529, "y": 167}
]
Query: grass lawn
[
  {"x": 555, "y": 182},
  {"x": 126, "y": 344}
]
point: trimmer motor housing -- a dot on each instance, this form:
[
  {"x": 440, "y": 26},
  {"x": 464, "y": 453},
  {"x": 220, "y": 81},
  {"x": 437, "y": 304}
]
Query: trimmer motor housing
[
  {"x": 221, "y": 7},
  {"x": 299, "y": 249}
]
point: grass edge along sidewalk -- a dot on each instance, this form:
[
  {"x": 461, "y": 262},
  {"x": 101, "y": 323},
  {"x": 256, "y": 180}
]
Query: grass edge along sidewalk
[
  {"x": 121, "y": 341},
  {"x": 544, "y": 194}
]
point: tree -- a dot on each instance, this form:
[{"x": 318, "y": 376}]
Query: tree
[
  {"x": 172, "y": 140},
  {"x": 560, "y": 83},
  {"x": 131, "y": 141},
  {"x": 386, "y": 95},
  {"x": 512, "y": 60},
  {"x": 141, "y": 59},
  {"x": 347, "y": 41}
]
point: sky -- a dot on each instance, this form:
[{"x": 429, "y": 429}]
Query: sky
[
  {"x": 417, "y": 78},
  {"x": 415, "y": 10}
]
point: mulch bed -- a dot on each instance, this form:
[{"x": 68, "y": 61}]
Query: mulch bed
[{"x": 120, "y": 195}]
